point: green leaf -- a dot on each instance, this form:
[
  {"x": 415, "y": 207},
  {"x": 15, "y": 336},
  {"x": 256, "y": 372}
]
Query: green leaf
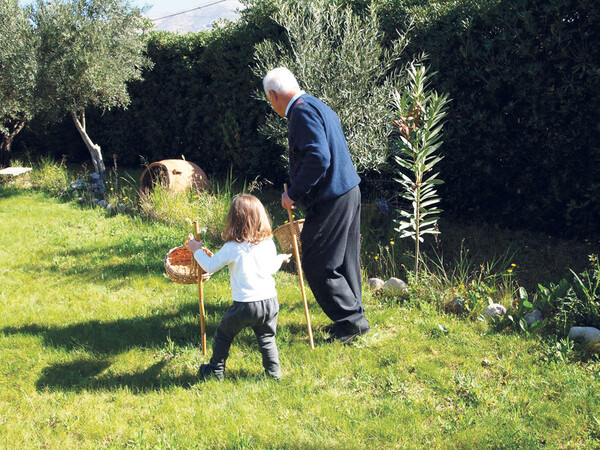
[
  {"x": 522, "y": 293},
  {"x": 523, "y": 324}
]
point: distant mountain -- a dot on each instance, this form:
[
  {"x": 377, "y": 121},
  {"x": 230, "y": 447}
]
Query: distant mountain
[{"x": 196, "y": 20}]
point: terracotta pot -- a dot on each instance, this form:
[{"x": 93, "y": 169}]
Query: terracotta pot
[{"x": 176, "y": 174}]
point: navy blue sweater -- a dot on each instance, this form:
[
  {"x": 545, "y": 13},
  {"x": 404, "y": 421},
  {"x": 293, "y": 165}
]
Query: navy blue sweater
[{"x": 320, "y": 165}]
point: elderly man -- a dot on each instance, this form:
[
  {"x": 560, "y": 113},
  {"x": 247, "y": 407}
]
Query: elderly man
[{"x": 323, "y": 181}]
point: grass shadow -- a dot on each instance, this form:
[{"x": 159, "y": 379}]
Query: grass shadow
[
  {"x": 106, "y": 340},
  {"x": 86, "y": 374},
  {"x": 138, "y": 259},
  {"x": 118, "y": 336},
  {"x": 9, "y": 191}
]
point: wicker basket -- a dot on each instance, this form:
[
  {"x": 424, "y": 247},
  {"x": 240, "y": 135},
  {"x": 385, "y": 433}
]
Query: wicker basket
[
  {"x": 181, "y": 266},
  {"x": 284, "y": 236}
]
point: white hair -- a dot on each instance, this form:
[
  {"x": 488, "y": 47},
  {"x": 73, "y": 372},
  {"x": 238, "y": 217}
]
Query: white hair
[{"x": 280, "y": 80}]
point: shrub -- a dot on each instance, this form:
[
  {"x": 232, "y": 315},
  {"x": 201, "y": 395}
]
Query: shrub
[{"x": 524, "y": 75}]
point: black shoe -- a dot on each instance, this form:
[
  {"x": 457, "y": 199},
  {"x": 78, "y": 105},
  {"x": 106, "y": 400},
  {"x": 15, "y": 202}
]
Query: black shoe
[
  {"x": 331, "y": 329},
  {"x": 272, "y": 376},
  {"x": 206, "y": 373},
  {"x": 348, "y": 336}
]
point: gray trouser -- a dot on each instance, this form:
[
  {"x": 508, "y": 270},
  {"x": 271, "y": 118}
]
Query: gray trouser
[{"x": 261, "y": 316}]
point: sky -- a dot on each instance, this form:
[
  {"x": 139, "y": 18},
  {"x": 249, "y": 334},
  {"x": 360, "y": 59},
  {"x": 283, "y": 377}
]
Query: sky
[{"x": 204, "y": 13}]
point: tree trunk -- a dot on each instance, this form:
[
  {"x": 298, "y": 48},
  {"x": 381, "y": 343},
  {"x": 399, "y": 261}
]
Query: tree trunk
[
  {"x": 7, "y": 139},
  {"x": 94, "y": 149}
]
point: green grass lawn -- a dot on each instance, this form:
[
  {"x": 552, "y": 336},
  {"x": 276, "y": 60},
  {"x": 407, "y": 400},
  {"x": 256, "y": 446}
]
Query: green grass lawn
[{"x": 99, "y": 349}]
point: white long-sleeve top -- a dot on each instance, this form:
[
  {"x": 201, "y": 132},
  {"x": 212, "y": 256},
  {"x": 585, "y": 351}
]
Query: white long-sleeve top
[{"x": 251, "y": 268}]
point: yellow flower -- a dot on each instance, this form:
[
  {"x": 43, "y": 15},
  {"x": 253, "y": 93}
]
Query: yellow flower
[
  {"x": 125, "y": 198},
  {"x": 376, "y": 257},
  {"x": 509, "y": 270},
  {"x": 392, "y": 242},
  {"x": 513, "y": 265}
]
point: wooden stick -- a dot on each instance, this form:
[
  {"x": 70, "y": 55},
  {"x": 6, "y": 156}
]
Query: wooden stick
[
  {"x": 300, "y": 277},
  {"x": 200, "y": 292}
]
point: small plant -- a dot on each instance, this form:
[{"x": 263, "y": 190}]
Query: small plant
[
  {"x": 476, "y": 284},
  {"x": 419, "y": 135},
  {"x": 173, "y": 208},
  {"x": 515, "y": 314},
  {"x": 384, "y": 260},
  {"x": 587, "y": 289},
  {"x": 571, "y": 304},
  {"x": 51, "y": 177},
  {"x": 557, "y": 350},
  {"x": 120, "y": 191}
]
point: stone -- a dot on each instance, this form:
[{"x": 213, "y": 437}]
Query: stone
[
  {"x": 589, "y": 335},
  {"x": 533, "y": 317},
  {"x": 494, "y": 310},
  {"x": 96, "y": 184},
  {"x": 394, "y": 285},
  {"x": 78, "y": 184},
  {"x": 375, "y": 283},
  {"x": 457, "y": 306}
]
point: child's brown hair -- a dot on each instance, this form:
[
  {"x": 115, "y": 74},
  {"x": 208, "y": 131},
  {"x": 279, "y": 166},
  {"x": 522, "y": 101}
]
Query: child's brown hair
[{"x": 247, "y": 220}]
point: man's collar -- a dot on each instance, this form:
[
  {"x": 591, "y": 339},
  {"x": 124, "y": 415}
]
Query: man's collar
[{"x": 291, "y": 102}]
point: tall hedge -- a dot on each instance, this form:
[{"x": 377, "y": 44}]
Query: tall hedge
[
  {"x": 522, "y": 142},
  {"x": 522, "y": 139}
]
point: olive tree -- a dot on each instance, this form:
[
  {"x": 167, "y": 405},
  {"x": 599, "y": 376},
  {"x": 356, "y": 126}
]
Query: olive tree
[
  {"x": 338, "y": 56},
  {"x": 89, "y": 50},
  {"x": 18, "y": 69}
]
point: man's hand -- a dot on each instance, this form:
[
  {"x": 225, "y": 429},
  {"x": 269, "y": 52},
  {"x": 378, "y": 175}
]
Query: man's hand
[
  {"x": 193, "y": 245},
  {"x": 286, "y": 201}
]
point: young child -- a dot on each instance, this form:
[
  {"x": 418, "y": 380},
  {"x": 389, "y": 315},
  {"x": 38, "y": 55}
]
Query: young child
[{"x": 250, "y": 253}]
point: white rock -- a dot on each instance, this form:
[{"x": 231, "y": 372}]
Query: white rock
[
  {"x": 494, "y": 310},
  {"x": 375, "y": 283},
  {"x": 533, "y": 317},
  {"x": 589, "y": 335},
  {"x": 394, "y": 285}
]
